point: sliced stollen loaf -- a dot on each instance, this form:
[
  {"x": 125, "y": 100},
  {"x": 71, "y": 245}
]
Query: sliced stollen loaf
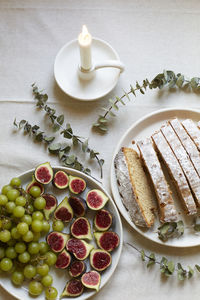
[
  {"x": 134, "y": 188},
  {"x": 166, "y": 204},
  {"x": 184, "y": 160},
  {"x": 187, "y": 143},
  {"x": 175, "y": 171},
  {"x": 193, "y": 131}
]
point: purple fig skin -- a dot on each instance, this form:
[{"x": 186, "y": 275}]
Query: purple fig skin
[
  {"x": 100, "y": 259},
  {"x": 103, "y": 220},
  {"x": 76, "y": 184},
  {"x": 81, "y": 229},
  {"x": 107, "y": 240},
  {"x": 63, "y": 260},
  {"x": 79, "y": 248},
  {"x": 57, "y": 240},
  {"x": 61, "y": 180},
  {"x": 91, "y": 280},
  {"x": 44, "y": 173},
  {"x": 64, "y": 211},
  {"x": 73, "y": 288},
  {"x": 77, "y": 268},
  {"x": 96, "y": 199},
  {"x": 78, "y": 205}
]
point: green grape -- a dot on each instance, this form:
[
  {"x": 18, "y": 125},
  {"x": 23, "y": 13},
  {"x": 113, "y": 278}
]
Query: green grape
[
  {"x": 26, "y": 219},
  {"x": 47, "y": 280},
  {"x": 35, "y": 191},
  {"x": 37, "y": 215},
  {"x": 50, "y": 258},
  {"x": 36, "y": 226},
  {"x": 2, "y": 252},
  {"x": 45, "y": 226},
  {"x": 22, "y": 228},
  {"x": 12, "y": 194},
  {"x": 30, "y": 271},
  {"x": 58, "y": 225},
  {"x": 33, "y": 248},
  {"x": 11, "y": 253},
  {"x": 5, "y": 189},
  {"x": 3, "y": 200},
  {"x": 15, "y": 182},
  {"x": 10, "y": 207},
  {"x": 15, "y": 234},
  {"x": 18, "y": 211},
  {"x": 6, "y": 224},
  {"x": 35, "y": 288},
  {"x": 17, "y": 277},
  {"x": 36, "y": 236},
  {"x": 24, "y": 257},
  {"x": 20, "y": 247},
  {"x": 6, "y": 264},
  {"x": 28, "y": 237},
  {"x": 39, "y": 203},
  {"x": 11, "y": 243},
  {"x": 30, "y": 208},
  {"x": 51, "y": 293},
  {"x": 20, "y": 201},
  {"x": 5, "y": 236},
  {"x": 43, "y": 270},
  {"x": 44, "y": 247}
]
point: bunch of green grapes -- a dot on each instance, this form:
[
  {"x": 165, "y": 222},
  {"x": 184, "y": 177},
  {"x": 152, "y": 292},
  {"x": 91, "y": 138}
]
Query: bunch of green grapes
[{"x": 22, "y": 223}]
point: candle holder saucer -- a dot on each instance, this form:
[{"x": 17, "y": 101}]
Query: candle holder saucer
[{"x": 87, "y": 85}]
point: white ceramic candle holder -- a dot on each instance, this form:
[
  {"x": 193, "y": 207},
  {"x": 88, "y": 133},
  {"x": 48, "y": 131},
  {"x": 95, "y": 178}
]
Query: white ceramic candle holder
[{"x": 87, "y": 85}]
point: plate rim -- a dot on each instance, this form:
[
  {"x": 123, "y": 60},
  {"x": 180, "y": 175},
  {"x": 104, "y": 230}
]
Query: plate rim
[
  {"x": 119, "y": 249},
  {"x": 112, "y": 175}
]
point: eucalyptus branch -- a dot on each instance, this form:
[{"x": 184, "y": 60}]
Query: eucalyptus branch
[
  {"x": 57, "y": 123},
  {"x": 167, "y": 267},
  {"x": 167, "y": 78}
]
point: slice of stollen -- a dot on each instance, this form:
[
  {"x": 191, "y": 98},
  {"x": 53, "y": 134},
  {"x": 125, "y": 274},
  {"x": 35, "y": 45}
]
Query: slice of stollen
[
  {"x": 184, "y": 160},
  {"x": 165, "y": 202},
  {"x": 134, "y": 187},
  {"x": 193, "y": 131},
  {"x": 175, "y": 172},
  {"x": 187, "y": 143}
]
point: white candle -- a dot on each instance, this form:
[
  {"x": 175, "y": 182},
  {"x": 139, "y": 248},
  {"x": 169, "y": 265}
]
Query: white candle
[{"x": 85, "y": 41}]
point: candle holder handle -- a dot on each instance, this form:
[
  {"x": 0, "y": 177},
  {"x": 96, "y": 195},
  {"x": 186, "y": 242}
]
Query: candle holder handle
[{"x": 110, "y": 64}]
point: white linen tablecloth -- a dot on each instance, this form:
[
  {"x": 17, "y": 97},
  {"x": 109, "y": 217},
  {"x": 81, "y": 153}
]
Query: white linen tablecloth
[{"x": 149, "y": 36}]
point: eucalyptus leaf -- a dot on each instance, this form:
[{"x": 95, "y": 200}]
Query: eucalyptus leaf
[
  {"x": 15, "y": 123},
  {"x": 74, "y": 140},
  {"x": 22, "y": 123},
  {"x": 70, "y": 159},
  {"x": 60, "y": 119},
  {"x": 56, "y": 127},
  {"x": 190, "y": 272},
  {"x": 197, "y": 267},
  {"x": 49, "y": 140},
  {"x": 85, "y": 146},
  {"x": 54, "y": 148},
  {"x": 142, "y": 255}
]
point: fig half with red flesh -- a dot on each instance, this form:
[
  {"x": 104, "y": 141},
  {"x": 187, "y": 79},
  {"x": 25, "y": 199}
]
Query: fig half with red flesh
[
  {"x": 57, "y": 240},
  {"x": 103, "y": 220},
  {"x": 73, "y": 288},
  {"x": 44, "y": 173},
  {"x": 91, "y": 280},
  {"x": 77, "y": 268},
  {"x": 76, "y": 184},
  {"x": 78, "y": 205},
  {"x": 100, "y": 259},
  {"x": 34, "y": 183},
  {"x": 107, "y": 240},
  {"x": 61, "y": 180},
  {"x": 79, "y": 248},
  {"x": 80, "y": 229},
  {"x": 51, "y": 203},
  {"x": 96, "y": 199},
  {"x": 64, "y": 211},
  {"x": 63, "y": 260}
]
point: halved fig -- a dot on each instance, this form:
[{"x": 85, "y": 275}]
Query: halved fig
[
  {"x": 107, "y": 240},
  {"x": 103, "y": 220},
  {"x": 34, "y": 183},
  {"x": 44, "y": 173},
  {"x": 57, "y": 240},
  {"x": 96, "y": 199},
  {"x": 76, "y": 184},
  {"x": 51, "y": 203},
  {"x": 73, "y": 288},
  {"x": 100, "y": 259},
  {"x": 64, "y": 211},
  {"x": 79, "y": 248},
  {"x": 63, "y": 260},
  {"x": 61, "y": 180},
  {"x": 80, "y": 229},
  {"x": 77, "y": 268},
  {"x": 78, "y": 205},
  {"x": 91, "y": 280}
]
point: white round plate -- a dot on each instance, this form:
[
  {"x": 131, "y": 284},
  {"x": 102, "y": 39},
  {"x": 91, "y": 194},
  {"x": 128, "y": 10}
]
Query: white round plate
[
  {"x": 143, "y": 128},
  {"x": 60, "y": 277},
  {"x": 66, "y": 71}
]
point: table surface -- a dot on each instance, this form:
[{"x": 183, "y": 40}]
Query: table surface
[{"x": 149, "y": 36}]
